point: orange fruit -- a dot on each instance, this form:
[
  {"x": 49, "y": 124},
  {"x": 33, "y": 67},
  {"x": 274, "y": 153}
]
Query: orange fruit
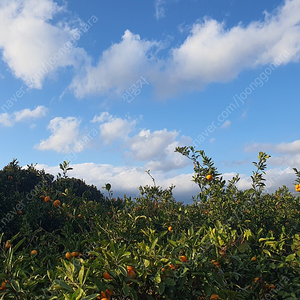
[
  {"x": 209, "y": 177},
  {"x": 47, "y": 199},
  {"x": 42, "y": 196},
  {"x": 2, "y": 285},
  {"x": 33, "y": 252},
  {"x": 214, "y": 297},
  {"x": 19, "y": 212},
  {"x": 170, "y": 228},
  {"x": 79, "y": 216},
  {"x": 253, "y": 258},
  {"x": 183, "y": 258},
  {"x": 109, "y": 293},
  {"x": 129, "y": 268},
  {"x": 103, "y": 295},
  {"x": 74, "y": 254},
  {"x": 131, "y": 273},
  {"x": 271, "y": 286},
  {"x": 216, "y": 263},
  {"x": 172, "y": 266},
  {"x": 68, "y": 255},
  {"x": 256, "y": 279},
  {"x": 106, "y": 276},
  {"x": 56, "y": 203},
  {"x": 7, "y": 245}
]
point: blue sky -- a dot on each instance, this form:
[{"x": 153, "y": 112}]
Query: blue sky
[{"x": 114, "y": 86}]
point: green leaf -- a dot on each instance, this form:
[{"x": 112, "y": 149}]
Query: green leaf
[
  {"x": 125, "y": 289},
  {"x": 154, "y": 244},
  {"x": 169, "y": 281},
  {"x": 63, "y": 285},
  {"x": 290, "y": 257},
  {"x": 80, "y": 276},
  {"x": 267, "y": 252},
  {"x": 243, "y": 247},
  {"x": 173, "y": 243},
  {"x": 90, "y": 297},
  {"x": 146, "y": 263},
  {"x": 19, "y": 244},
  {"x": 15, "y": 285},
  {"x": 157, "y": 278},
  {"x": 161, "y": 288}
]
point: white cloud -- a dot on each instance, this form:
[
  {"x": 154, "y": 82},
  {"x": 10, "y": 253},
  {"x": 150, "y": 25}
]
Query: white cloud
[
  {"x": 293, "y": 147},
  {"x": 157, "y": 148},
  {"x": 159, "y": 9},
  {"x": 39, "y": 112},
  {"x": 118, "y": 69},
  {"x": 65, "y": 134},
  {"x": 105, "y": 116},
  {"x": 288, "y": 148},
  {"x": 226, "y": 124},
  {"x": 113, "y": 128},
  {"x": 192, "y": 65},
  {"x": 275, "y": 178},
  {"x": 198, "y": 61},
  {"x": 9, "y": 120},
  {"x": 147, "y": 145},
  {"x": 32, "y": 45},
  {"x": 126, "y": 180},
  {"x": 6, "y": 120}
]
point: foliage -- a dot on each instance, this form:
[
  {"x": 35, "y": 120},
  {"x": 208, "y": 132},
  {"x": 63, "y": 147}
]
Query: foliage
[{"x": 227, "y": 244}]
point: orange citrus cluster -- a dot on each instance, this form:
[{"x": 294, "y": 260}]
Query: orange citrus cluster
[
  {"x": 69, "y": 255},
  {"x": 56, "y": 203},
  {"x": 297, "y": 187}
]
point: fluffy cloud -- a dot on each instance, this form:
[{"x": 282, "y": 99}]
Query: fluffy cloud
[
  {"x": 26, "y": 114},
  {"x": 198, "y": 61},
  {"x": 284, "y": 157},
  {"x": 47, "y": 46},
  {"x": 118, "y": 69},
  {"x": 6, "y": 120},
  {"x": 290, "y": 148},
  {"x": 113, "y": 128},
  {"x": 126, "y": 180},
  {"x": 22, "y": 115},
  {"x": 275, "y": 178},
  {"x": 158, "y": 149},
  {"x": 32, "y": 45},
  {"x": 65, "y": 135}
]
